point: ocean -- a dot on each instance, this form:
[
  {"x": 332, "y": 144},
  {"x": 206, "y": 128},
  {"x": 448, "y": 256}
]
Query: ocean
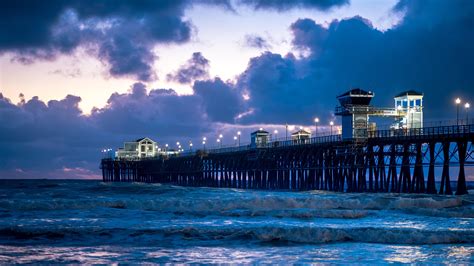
[{"x": 70, "y": 221}]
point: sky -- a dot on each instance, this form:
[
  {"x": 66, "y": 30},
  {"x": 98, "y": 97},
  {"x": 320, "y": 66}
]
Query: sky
[{"x": 80, "y": 76}]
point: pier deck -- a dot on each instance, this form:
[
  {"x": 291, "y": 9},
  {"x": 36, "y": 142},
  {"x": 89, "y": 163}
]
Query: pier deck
[{"x": 399, "y": 161}]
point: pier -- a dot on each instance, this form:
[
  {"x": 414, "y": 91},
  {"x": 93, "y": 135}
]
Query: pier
[{"x": 405, "y": 159}]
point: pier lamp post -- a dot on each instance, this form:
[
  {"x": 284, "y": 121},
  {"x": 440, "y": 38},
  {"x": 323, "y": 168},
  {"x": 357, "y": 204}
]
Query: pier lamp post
[
  {"x": 275, "y": 132},
  {"x": 204, "y": 143},
  {"x": 190, "y": 146},
  {"x": 166, "y": 147},
  {"x": 238, "y": 136},
  {"x": 466, "y": 107},
  {"x": 412, "y": 111},
  {"x": 221, "y": 138},
  {"x": 331, "y": 124},
  {"x": 235, "y": 140},
  {"x": 286, "y": 131},
  {"x": 219, "y": 141},
  {"x": 458, "y": 102},
  {"x": 316, "y": 121}
]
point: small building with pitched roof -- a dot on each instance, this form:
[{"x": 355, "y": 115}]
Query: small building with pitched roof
[
  {"x": 140, "y": 148},
  {"x": 301, "y": 136}
]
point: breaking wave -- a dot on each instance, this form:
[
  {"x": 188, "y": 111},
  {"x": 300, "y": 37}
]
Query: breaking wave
[
  {"x": 307, "y": 206},
  {"x": 308, "y": 235},
  {"x": 94, "y": 214}
]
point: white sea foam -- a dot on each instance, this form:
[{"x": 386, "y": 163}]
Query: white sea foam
[
  {"x": 306, "y": 206},
  {"x": 306, "y": 234}
]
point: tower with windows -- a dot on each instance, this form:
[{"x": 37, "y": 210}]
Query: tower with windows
[{"x": 410, "y": 105}]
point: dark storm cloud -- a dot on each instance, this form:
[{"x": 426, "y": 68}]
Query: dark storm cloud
[
  {"x": 283, "y": 5},
  {"x": 56, "y": 138},
  {"x": 35, "y": 134},
  {"x": 222, "y": 102},
  {"x": 430, "y": 51},
  {"x": 256, "y": 41},
  {"x": 160, "y": 112},
  {"x": 195, "y": 68},
  {"x": 121, "y": 33},
  {"x": 282, "y": 90}
]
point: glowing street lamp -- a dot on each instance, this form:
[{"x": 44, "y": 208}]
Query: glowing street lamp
[
  {"x": 235, "y": 140},
  {"x": 316, "y": 121},
  {"x": 458, "y": 102},
  {"x": 331, "y": 124},
  {"x": 203, "y": 144},
  {"x": 219, "y": 141},
  {"x": 466, "y": 107},
  {"x": 275, "y": 132},
  {"x": 238, "y": 136}
]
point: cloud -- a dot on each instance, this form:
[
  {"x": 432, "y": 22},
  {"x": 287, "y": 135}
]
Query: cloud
[
  {"x": 159, "y": 112},
  {"x": 222, "y": 101},
  {"x": 284, "y": 5},
  {"x": 256, "y": 41},
  {"x": 195, "y": 68},
  {"x": 54, "y": 138},
  {"x": 120, "y": 33},
  {"x": 67, "y": 72},
  {"x": 430, "y": 51}
]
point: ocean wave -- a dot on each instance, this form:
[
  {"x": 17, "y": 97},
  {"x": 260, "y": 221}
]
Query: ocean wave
[
  {"x": 251, "y": 205},
  {"x": 302, "y": 235}
]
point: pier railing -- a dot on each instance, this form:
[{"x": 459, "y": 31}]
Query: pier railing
[
  {"x": 412, "y": 133},
  {"x": 274, "y": 144},
  {"x": 437, "y": 131}
]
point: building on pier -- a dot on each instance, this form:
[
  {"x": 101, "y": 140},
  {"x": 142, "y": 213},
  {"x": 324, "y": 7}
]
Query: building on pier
[
  {"x": 300, "y": 136},
  {"x": 409, "y": 103},
  {"x": 355, "y": 110},
  {"x": 140, "y": 148},
  {"x": 259, "y": 138}
]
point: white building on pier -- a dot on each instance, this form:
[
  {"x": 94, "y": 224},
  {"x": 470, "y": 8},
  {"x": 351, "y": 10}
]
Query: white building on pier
[{"x": 140, "y": 148}]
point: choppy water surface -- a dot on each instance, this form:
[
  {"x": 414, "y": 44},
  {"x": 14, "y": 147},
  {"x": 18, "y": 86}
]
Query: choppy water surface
[{"x": 93, "y": 222}]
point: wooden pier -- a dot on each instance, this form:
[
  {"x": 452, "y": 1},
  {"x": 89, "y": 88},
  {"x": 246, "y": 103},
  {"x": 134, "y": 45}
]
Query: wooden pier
[{"x": 397, "y": 161}]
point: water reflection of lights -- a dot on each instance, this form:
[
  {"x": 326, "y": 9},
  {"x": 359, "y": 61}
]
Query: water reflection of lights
[
  {"x": 407, "y": 254},
  {"x": 460, "y": 252}
]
